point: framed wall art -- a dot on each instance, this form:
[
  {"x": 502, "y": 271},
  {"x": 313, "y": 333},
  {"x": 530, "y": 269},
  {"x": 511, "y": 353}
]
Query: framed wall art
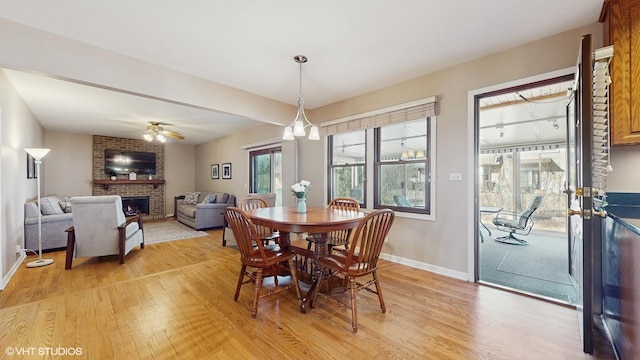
[
  {"x": 226, "y": 170},
  {"x": 215, "y": 171},
  {"x": 31, "y": 167}
]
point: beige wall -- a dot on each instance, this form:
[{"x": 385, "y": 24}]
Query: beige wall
[
  {"x": 440, "y": 245},
  {"x": 625, "y": 161},
  {"x": 18, "y": 130},
  {"x": 69, "y": 169},
  {"x": 70, "y": 166},
  {"x": 179, "y": 172}
]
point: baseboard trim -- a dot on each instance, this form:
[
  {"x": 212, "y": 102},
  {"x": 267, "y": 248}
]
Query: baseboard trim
[
  {"x": 424, "y": 266},
  {"x": 12, "y": 271}
]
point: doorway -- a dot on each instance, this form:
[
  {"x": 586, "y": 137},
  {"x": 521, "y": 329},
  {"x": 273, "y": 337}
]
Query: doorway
[{"x": 521, "y": 167}]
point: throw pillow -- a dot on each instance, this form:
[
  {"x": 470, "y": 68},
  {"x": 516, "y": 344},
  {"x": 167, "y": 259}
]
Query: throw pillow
[
  {"x": 65, "y": 206},
  {"x": 222, "y": 198},
  {"x": 210, "y": 199},
  {"x": 191, "y": 198},
  {"x": 50, "y": 205}
]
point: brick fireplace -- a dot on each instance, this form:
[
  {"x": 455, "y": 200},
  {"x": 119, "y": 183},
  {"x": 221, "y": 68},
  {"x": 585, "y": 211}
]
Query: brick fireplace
[{"x": 154, "y": 192}]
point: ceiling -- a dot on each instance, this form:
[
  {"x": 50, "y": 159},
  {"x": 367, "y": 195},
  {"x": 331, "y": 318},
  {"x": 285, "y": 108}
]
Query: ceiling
[{"x": 353, "y": 47}]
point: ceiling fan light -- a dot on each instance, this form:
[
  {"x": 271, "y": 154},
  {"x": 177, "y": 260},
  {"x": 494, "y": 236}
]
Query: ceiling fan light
[
  {"x": 161, "y": 138},
  {"x": 314, "y": 134},
  {"x": 147, "y": 136},
  {"x": 288, "y": 133}
]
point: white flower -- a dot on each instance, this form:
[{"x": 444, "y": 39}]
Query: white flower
[{"x": 298, "y": 187}]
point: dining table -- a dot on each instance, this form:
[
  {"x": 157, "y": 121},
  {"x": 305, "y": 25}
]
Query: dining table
[{"x": 317, "y": 222}]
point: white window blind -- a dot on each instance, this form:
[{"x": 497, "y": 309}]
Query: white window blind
[{"x": 381, "y": 118}]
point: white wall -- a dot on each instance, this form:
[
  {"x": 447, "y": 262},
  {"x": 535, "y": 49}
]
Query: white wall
[{"x": 18, "y": 130}]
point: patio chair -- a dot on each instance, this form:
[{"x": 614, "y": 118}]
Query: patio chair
[{"x": 517, "y": 223}]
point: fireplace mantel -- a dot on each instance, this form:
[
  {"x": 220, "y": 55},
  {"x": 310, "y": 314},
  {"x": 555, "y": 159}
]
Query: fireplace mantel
[{"x": 107, "y": 183}]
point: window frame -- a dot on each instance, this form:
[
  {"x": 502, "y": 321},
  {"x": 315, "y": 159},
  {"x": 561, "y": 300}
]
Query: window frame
[
  {"x": 378, "y": 163},
  {"x": 331, "y": 167},
  {"x": 371, "y": 171},
  {"x": 271, "y": 151}
]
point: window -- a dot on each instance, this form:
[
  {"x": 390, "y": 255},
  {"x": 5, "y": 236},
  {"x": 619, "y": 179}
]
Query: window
[
  {"x": 265, "y": 172},
  {"x": 347, "y": 165},
  {"x": 402, "y": 154},
  {"x": 401, "y": 142}
]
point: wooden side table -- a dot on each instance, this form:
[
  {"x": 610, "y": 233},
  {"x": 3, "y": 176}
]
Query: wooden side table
[{"x": 175, "y": 205}]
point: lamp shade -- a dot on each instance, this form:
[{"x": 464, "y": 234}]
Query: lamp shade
[{"x": 37, "y": 153}]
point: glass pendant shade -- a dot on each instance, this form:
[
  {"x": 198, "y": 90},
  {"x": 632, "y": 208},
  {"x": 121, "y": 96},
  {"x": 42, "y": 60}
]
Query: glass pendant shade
[
  {"x": 298, "y": 128},
  {"x": 314, "y": 134},
  {"x": 288, "y": 133}
]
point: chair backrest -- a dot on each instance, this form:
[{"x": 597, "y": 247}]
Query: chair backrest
[
  {"x": 95, "y": 222},
  {"x": 244, "y": 232},
  {"x": 367, "y": 239},
  {"x": 534, "y": 204},
  {"x": 269, "y": 198},
  {"x": 344, "y": 203},
  {"x": 252, "y": 203},
  {"x": 401, "y": 200}
]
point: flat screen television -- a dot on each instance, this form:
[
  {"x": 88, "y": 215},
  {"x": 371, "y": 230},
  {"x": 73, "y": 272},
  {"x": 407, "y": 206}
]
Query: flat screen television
[{"x": 124, "y": 162}]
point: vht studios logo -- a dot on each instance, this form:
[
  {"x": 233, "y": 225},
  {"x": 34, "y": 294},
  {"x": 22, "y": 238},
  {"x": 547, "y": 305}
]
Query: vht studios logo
[{"x": 55, "y": 351}]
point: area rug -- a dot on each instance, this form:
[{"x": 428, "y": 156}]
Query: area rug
[
  {"x": 162, "y": 231},
  {"x": 537, "y": 267}
]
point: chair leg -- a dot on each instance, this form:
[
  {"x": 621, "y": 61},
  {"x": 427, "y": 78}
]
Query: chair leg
[
  {"x": 71, "y": 244},
  {"x": 294, "y": 277},
  {"x": 379, "y": 291},
  {"x": 256, "y": 295},
  {"x": 243, "y": 269},
  {"x": 354, "y": 307},
  {"x": 512, "y": 240},
  {"x": 224, "y": 229}
]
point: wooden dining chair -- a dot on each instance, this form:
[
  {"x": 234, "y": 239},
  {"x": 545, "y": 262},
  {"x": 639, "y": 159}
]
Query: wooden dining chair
[
  {"x": 265, "y": 233},
  {"x": 341, "y": 237},
  {"x": 361, "y": 259},
  {"x": 338, "y": 238},
  {"x": 254, "y": 254},
  {"x": 335, "y": 239}
]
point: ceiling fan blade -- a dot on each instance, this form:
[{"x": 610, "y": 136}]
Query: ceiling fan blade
[{"x": 172, "y": 134}]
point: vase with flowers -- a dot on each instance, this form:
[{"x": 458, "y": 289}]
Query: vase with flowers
[{"x": 299, "y": 190}]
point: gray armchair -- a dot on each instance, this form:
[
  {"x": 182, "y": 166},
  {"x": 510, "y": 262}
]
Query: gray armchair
[
  {"x": 100, "y": 228},
  {"x": 518, "y": 223}
]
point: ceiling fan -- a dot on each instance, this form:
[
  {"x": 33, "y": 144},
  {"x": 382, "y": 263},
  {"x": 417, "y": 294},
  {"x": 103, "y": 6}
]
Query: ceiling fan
[{"x": 156, "y": 131}]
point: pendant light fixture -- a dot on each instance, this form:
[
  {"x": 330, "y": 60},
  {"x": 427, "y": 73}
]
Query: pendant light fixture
[{"x": 300, "y": 123}]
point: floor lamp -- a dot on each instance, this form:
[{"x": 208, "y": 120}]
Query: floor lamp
[{"x": 38, "y": 154}]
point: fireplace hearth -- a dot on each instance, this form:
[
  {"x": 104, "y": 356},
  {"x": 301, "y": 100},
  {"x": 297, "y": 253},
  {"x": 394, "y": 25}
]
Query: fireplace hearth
[{"x": 135, "y": 205}]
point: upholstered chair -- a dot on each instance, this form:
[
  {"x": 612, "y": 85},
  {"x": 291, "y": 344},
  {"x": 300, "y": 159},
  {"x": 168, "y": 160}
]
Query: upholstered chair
[{"x": 100, "y": 228}]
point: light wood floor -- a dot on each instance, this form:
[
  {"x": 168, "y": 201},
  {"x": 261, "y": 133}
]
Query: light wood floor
[{"x": 175, "y": 300}]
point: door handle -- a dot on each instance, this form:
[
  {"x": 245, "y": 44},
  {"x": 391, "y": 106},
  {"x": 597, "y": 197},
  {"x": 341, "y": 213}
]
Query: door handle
[
  {"x": 601, "y": 213},
  {"x": 571, "y": 212}
]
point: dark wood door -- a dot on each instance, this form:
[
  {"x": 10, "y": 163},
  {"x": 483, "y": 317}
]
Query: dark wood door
[{"x": 579, "y": 192}]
